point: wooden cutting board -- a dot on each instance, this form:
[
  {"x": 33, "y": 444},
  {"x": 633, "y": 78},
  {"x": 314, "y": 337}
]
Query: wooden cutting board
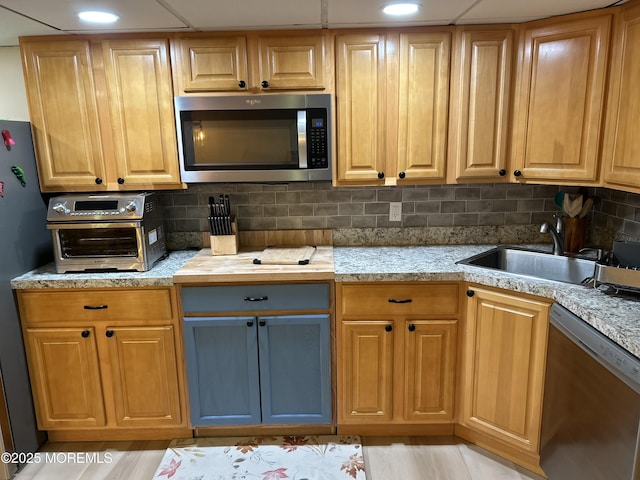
[{"x": 285, "y": 256}]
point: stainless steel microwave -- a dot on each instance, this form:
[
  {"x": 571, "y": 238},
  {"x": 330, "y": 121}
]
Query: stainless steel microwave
[{"x": 260, "y": 138}]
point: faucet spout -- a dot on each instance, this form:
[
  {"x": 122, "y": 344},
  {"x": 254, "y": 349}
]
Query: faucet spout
[{"x": 558, "y": 241}]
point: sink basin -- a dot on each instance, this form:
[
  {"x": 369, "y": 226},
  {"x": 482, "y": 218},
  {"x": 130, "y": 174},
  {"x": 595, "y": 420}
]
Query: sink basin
[{"x": 532, "y": 263}]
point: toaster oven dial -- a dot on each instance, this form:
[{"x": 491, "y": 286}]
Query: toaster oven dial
[
  {"x": 61, "y": 208},
  {"x": 130, "y": 207}
]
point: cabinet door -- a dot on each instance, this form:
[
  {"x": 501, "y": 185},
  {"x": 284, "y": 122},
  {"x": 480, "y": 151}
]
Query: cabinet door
[
  {"x": 65, "y": 377},
  {"x": 295, "y": 369},
  {"x": 430, "y": 363},
  {"x": 222, "y": 370},
  {"x": 622, "y": 143},
  {"x": 365, "y": 372},
  {"x": 145, "y": 375},
  {"x": 291, "y": 62},
  {"x": 504, "y": 351},
  {"x": 559, "y": 100},
  {"x": 361, "y": 106},
  {"x": 64, "y": 114},
  {"x": 423, "y": 105},
  {"x": 214, "y": 64},
  {"x": 141, "y": 105},
  {"x": 480, "y": 103}
]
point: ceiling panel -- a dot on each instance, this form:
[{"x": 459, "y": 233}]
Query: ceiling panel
[
  {"x": 13, "y": 25},
  {"x": 342, "y": 13},
  {"x": 488, "y": 11},
  {"x": 208, "y": 15},
  {"x": 62, "y": 14}
]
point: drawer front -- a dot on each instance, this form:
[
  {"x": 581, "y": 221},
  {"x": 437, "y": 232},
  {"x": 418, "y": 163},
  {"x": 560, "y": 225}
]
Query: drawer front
[
  {"x": 95, "y": 305},
  {"x": 399, "y": 299},
  {"x": 255, "y": 298}
]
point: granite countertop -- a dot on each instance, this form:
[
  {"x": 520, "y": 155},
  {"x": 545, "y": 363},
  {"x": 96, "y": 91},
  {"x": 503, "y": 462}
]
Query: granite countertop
[{"x": 617, "y": 317}]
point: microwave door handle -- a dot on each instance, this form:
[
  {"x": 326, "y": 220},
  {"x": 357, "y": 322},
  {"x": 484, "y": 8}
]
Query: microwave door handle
[{"x": 302, "y": 139}]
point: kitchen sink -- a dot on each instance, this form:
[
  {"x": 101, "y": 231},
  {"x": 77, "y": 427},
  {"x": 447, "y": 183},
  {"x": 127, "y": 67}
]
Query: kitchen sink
[{"x": 533, "y": 263}]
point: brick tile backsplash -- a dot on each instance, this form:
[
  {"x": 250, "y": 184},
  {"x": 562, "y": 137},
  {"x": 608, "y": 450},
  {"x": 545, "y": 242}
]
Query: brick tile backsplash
[{"x": 318, "y": 205}]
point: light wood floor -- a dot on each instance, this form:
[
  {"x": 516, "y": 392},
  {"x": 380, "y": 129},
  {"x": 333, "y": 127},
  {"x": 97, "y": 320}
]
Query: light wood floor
[{"x": 386, "y": 458}]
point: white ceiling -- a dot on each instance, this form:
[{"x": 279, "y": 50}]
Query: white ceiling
[{"x": 44, "y": 17}]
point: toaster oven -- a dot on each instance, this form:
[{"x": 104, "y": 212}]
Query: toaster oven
[{"x": 106, "y": 232}]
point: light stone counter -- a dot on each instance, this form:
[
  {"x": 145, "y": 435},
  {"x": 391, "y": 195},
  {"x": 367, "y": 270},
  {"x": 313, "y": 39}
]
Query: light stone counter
[
  {"x": 159, "y": 276},
  {"x": 617, "y": 317}
]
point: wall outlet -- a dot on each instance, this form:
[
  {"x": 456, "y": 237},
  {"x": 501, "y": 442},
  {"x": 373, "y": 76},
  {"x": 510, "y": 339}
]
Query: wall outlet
[{"x": 395, "y": 211}]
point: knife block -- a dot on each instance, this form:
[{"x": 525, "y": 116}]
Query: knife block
[{"x": 226, "y": 244}]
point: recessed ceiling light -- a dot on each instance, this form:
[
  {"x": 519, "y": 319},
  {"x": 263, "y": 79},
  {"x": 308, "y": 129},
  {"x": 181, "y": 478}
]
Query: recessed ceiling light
[
  {"x": 98, "y": 17},
  {"x": 399, "y": 9}
]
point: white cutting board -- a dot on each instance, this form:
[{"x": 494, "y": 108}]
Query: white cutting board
[{"x": 285, "y": 256}]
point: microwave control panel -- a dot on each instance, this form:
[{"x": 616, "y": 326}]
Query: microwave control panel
[{"x": 317, "y": 138}]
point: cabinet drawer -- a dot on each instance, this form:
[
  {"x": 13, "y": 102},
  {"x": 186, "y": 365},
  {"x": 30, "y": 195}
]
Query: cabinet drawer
[
  {"x": 254, "y": 298},
  {"x": 399, "y": 299},
  {"x": 93, "y": 305}
]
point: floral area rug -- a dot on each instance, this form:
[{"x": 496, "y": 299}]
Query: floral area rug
[{"x": 321, "y": 457}]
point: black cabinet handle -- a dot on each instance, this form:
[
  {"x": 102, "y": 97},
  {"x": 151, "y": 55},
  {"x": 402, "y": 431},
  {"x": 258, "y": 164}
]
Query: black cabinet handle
[
  {"x": 242, "y": 84},
  {"x": 98, "y": 181},
  {"x": 502, "y": 172},
  {"x": 256, "y": 299},
  {"x": 85, "y": 333},
  {"x": 262, "y": 323},
  {"x": 402, "y": 175},
  {"x": 380, "y": 175},
  {"x": 388, "y": 328},
  {"x": 250, "y": 323},
  {"x": 517, "y": 173},
  {"x": 265, "y": 84},
  {"x": 470, "y": 293},
  {"x": 120, "y": 180},
  {"x": 109, "y": 333},
  {"x": 412, "y": 327},
  {"x": 96, "y": 307},
  {"x": 406, "y": 300}
]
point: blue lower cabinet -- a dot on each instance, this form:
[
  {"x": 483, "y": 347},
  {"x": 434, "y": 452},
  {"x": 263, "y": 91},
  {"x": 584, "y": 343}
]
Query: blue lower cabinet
[{"x": 252, "y": 370}]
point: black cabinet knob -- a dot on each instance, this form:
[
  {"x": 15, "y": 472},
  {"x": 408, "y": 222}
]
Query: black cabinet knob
[
  {"x": 85, "y": 333},
  {"x": 502, "y": 172},
  {"x": 470, "y": 293},
  {"x": 380, "y": 175},
  {"x": 402, "y": 175},
  {"x": 412, "y": 327},
  {"x": 120, "y": 180},
  {"x": 517, "y": 173},
  {"x": 109, "y": 333},
  {"x": 265, "y": 84},
  {"x": 242, "y": 84},
  {"x": 98, "y": 181},
  {"x": 388, "y": 328},
  {"x": 249, "y": 323},
  {"x": 262, "y": 323}
]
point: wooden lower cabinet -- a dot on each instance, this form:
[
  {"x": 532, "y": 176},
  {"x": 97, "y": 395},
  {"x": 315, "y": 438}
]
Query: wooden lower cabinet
[
  {"x": 503, "y": 356},
  {"x": 97, "y": 373},
  {"x": 396, "y": 368}
]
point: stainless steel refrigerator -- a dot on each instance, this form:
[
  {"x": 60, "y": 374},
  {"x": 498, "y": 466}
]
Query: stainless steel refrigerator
[{"x": 25, "y": 244}]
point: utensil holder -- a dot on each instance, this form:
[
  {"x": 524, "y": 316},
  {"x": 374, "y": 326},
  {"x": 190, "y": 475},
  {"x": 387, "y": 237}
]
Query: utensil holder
[
  {"x": 226, "y": 244},
  {"x": 575, "y": 234}
]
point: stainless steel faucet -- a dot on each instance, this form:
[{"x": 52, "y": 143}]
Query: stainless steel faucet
[{"x": 557, "y": 234}]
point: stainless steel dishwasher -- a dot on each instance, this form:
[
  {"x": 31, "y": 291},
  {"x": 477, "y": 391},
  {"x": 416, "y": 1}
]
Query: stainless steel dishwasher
[{"x": 591, "y": 413}]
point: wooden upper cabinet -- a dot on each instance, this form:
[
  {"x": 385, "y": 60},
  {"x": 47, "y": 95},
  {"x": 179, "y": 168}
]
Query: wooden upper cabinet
[
  {"x": 621, "y": 149},
  {"x": 211, "y": 64},
  {"x": 559, "y": 99},
  {"x": 480, "y": 104},
  {"x": 361, "y": 81},
  {"x": 141, "y": 106},
  {"x": 64, "y": 113},
  {"x": 252, "y": 63},
  {"x": 392, "y": 95},
  {"x": 423, "y": 105},
  {"x": 102, "y": 113}
]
